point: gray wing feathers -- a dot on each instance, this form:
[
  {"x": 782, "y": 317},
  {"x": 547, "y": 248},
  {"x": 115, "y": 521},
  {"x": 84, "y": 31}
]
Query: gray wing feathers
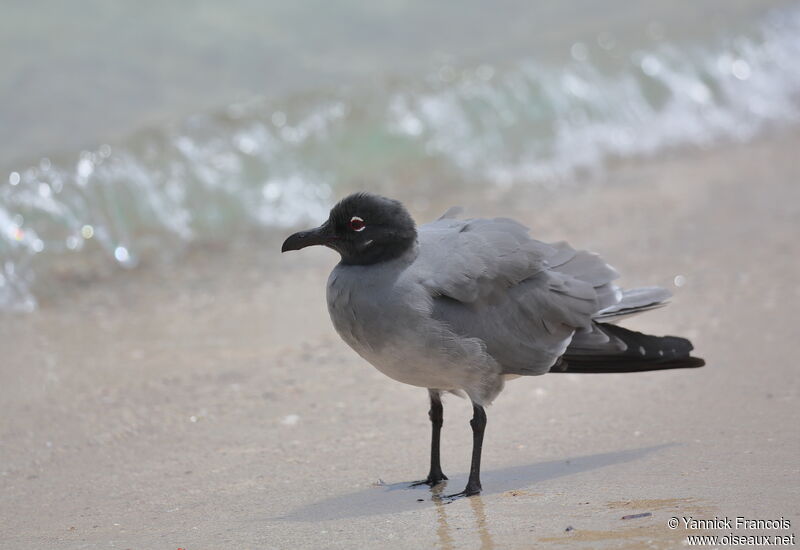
[
  {"x": 524, "y": 329},
  {"x": 588, "y": 267},
  {"x": 468, "y": 260},
  {"x": 523, "y": 298},
  {"x": 490, "y": 280}
]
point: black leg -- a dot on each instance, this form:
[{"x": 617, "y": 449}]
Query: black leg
[
  {"x": 478, "y": 424},
  {"x": 436, "y": 414}
]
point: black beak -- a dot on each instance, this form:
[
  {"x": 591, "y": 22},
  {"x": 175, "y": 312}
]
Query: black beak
[{"x": 320, "y": 235}]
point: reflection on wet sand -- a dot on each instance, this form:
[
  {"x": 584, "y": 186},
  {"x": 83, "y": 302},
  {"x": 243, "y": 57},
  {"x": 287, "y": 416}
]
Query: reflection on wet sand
[
  {"x": 442, "y": 528},
  {"x": 480, "y": 519},
  {"x": 443, "y": 531}
]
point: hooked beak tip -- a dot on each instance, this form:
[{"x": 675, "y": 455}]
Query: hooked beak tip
[
  {"x": 303, "y": 239},
  {"x": 294, "y": 242}
]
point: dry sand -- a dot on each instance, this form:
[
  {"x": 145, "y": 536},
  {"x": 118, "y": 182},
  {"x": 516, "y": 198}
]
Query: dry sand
[{"x": 209, "y": 404}]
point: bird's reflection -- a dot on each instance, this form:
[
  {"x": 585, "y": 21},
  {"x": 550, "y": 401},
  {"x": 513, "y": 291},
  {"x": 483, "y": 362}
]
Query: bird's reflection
[
  {"x": 443, "y": 529},
  {"x": 478, "y": 511}
]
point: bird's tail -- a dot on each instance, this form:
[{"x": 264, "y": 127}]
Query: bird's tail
[{"x": 611, "y": 348}]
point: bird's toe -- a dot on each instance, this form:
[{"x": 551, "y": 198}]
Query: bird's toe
[
  {"x": 469, "y": 491},
  {"x": 430, "y": 481}
]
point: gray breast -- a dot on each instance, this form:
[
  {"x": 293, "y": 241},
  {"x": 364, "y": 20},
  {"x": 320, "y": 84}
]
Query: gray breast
[{"x": 385, "y": 316}]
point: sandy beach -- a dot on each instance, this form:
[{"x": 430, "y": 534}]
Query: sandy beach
[{"x": 208, "y": 403}]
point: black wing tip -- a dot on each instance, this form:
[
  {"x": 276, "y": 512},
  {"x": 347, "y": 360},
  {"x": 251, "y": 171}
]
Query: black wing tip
[
  {"x": 611, "y": 365},
  {"x": 696, "y": 362}
]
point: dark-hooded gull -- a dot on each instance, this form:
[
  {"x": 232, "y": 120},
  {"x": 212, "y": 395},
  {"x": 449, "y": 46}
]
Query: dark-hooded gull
[{"x": 461, "y": 305}]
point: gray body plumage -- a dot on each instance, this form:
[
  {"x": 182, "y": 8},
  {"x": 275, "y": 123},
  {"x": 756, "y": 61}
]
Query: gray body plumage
[{"x": 475, "y": 302}]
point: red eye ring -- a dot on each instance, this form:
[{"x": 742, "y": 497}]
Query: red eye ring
[{"x": 357, "y": 224}]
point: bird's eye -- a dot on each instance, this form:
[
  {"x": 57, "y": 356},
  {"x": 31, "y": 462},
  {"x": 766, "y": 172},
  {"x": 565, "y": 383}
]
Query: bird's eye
[{"x": 357, "y": 224}]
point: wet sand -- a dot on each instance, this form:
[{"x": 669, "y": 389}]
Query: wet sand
[{"x": 209, "y": 404}]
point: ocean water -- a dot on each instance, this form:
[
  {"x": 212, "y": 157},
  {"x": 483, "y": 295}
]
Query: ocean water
[{"x": 397, "y": 95}]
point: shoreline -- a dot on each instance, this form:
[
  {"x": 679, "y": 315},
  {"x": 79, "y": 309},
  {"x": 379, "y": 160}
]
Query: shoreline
[{"x": 254, "y": 248}]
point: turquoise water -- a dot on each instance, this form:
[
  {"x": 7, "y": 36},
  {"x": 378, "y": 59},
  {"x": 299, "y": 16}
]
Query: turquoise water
[{"x": 301, "y": 102}]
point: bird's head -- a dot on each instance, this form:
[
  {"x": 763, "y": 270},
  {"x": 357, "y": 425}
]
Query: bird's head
[{"x": 363, "y": 228}]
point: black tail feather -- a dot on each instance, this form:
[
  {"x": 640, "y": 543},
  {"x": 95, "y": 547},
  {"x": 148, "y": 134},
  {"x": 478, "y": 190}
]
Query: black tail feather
[{"x": 642, "y": 353}]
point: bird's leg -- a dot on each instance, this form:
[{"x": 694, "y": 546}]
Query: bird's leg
[
  {"x": 478, "y": 424},
  {"x": 436, "y": 414}
]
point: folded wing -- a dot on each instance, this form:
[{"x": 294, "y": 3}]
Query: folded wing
[{"x": 523, "y": 298}]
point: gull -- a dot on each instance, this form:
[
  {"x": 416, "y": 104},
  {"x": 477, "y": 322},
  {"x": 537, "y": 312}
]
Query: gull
[{"x": 463, "y": 305}]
